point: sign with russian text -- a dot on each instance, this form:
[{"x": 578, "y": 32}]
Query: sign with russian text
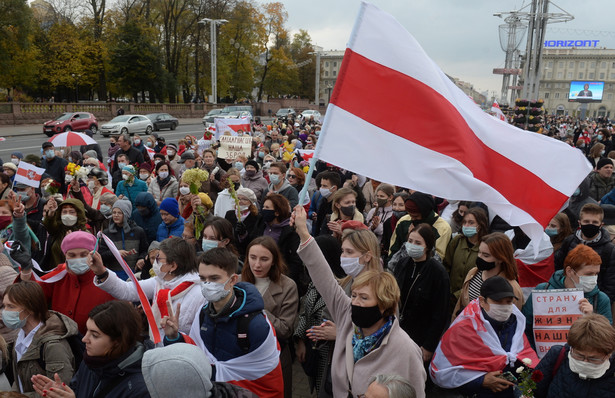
[
  {"x": 233, "y": 146},
  {"x": 554, "y": 312}
]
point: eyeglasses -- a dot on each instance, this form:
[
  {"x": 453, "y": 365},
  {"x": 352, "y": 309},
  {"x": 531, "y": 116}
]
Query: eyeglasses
[
  {"x": 579, "y": 357},
  {"x": 291, "y": 176}
]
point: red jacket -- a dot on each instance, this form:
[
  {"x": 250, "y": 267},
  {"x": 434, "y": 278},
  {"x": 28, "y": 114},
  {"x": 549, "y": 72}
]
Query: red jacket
[{"x": 75, "y": 296}]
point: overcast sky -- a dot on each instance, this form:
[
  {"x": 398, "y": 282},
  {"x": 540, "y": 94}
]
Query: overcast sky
[{"x": 461, "y": 36}]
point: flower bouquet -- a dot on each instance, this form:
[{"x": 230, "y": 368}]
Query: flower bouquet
[
  {"x": 528, "y": 378},
  {"x": 195, "y": 177}
]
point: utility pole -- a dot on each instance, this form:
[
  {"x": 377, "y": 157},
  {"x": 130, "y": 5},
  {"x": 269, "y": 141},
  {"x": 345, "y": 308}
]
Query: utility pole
[{"x": 214, "y": 55}]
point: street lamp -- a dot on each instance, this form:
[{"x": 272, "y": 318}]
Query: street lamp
[
  {"x": 317, "y": 51},
  {"x": 213, "y": 48}
]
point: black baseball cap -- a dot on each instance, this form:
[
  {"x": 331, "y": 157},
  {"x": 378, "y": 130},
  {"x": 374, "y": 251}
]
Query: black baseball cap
[
  {"x": 497, "y": 288},
  {"x": 186, "y": 156}
]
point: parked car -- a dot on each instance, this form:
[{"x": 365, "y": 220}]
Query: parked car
[
  {"x": 130, "y": 124},
  {"x": 208, "y": 119},
  {"x": 238, "y": 115},
  {"x": 310, "y": 112},
  {"x": 285, "y": 113},
  {"x": 233, "y": 108},
  {"x": 71, "y": 121},
  {"x": 163, "y": 121}
]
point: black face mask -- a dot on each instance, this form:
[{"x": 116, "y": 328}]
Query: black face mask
[
  {"x": 590, "y": 230},
  {"x": 381, "y": 202},
  {"x": 348, "y": 211},
  {"x": 268, "y": 215},
  {"x": 144, "y": 212},
  {"x": 399, "y": 214},
  {"x": 484, "y": 265},
  {"x": 365, "y": 317}
]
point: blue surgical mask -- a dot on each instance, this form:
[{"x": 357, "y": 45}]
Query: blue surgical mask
[
  {"x": 105, "y": 210},
  {"x": 599, "y": 137},
  {"x": 12, "y": 321},
  {"x": 468, "y": 232},
  {"x": 414, "y": 251},
  {"x": 78, "y": 266},
  {"x": 50, "y": 154},
  {"x": 214, "y": 291},
  {"x": 551, "y": 231},
  {"x": 239, "y": 166},
  {"x": 274, "y": 178},
  {"x": 209, "y": 244},
  {"x": 261, "y": 155}
]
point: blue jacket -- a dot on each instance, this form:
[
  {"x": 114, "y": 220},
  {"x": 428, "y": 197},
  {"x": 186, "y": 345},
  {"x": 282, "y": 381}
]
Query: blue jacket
[
  {"x": 567, "y": 384},
  {"x": 86, "y": 381},
  {"x": 150, "y": 222},
  {"x": 131, "y": 191},
  {"x": 600, "y": 301},
  {"x": 220, "y": 334},
  {"x": 175, "y": 229}
]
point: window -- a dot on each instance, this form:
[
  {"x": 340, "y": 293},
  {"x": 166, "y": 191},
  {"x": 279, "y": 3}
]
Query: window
[
  {"x": 591, "y": 76},
  {"x": 334, "y": 72},
  {"x": 560, "y": 75},
  {"x": 581, "y": 64},
  {"x": 550, "y": 64},
  {"x": 556, "y": 95},
  {"x": 560, "y": 64},
  {"x": 327, "y": 64},
  {"x": 569, "y": 76},
  {"x": 613, "y": 65},
  {"x": 592, "y": 65},
  {"x": 335, "y": 64},
  {"x": 546, "y": 95},
  {"x": 549, "y": 75},
  {"x": 571, "y": 64},
  {"x": 601, "y": 75},
  {"x": 580, "y": 75},
  {"x": 603, "y": 64},
  {"x": 548, "y": 85},
  {"x": 326, "y": 73},
  {"x": 612, "y": 76}
]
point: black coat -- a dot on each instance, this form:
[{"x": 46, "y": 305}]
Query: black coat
[
  {"x": 242, "y": 242},
  {"x": 566, "y": 383},
  {"x": 605, "y": 249},
  {"x": 135, "y": 238},
  {"x": 55, "y": 168},
  {"x": 423, "y": 306}
]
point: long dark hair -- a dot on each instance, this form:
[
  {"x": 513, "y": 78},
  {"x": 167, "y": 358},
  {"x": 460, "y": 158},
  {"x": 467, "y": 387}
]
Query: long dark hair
[{"x": 121, "y": 322}]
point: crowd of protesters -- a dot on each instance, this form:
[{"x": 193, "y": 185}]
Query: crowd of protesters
[{"x": 376, "y": 290}]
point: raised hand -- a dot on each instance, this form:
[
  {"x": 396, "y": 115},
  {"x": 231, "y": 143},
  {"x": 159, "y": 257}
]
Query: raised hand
[{"x": 170, "y": 323}]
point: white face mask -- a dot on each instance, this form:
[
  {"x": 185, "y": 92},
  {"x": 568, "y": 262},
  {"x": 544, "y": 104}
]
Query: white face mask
[
  {"x": 69, "y": 220},
  {"x": 587, "y": 370},
  {"x": 586, "y": 283},
  {"x": 143, "y": 176},
  {"x": 163, "y": 174},
  {"x": 351, "y": 266},
  {"x": 125, "y": 177},
  {"x": 91, "y": 185},
  {"x": 184, "y": 190},
  {"x": 78, "y": 266},
  {"x": 414, "y": 251},
  {"x": 214, "y": 291},
  {"x": 325, "y": 192},
  {"x": 157, "y": 267},
  {"x": 500, "y": 312},
  {"x": 15, "y": 161}
]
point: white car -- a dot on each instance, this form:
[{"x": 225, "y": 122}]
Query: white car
[
  {"x": 310, "y": 112},
  {"x": 130, "y": 124}
]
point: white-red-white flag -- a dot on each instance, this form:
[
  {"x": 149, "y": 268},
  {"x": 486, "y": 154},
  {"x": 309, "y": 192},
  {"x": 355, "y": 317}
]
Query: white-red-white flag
[
  {"x": 29, "y": 174},
  {"x": 231, "y": 125},
  {"x": 495, "y": 108},
  {"x": 396, "y": 117}
]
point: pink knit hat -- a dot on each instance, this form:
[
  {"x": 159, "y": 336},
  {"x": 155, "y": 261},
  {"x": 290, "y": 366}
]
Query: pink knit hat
[{"x": 78, "y": 240}]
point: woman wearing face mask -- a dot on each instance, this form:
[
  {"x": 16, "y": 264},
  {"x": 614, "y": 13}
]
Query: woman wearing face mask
[
  {"x": 398, "y": 211},
  {"x": 253, "y": 179},
  {"x": 69, "y": 288},
  {"x": 243, "y": 229},
  {"x": 456, "y": 220},
  {"x": 596, "y": 153},
  {"x": 581, "y": 269},
  {"x": 462, "y": 251},
  {"x": 344, "y": 209},
  {"x": 41, "y": 332},
  {"x": 218, "y": 232},
  {"x": 111, "y": 365},
  {"x": 265, "y": 269},
  {"x": 177, "y": 281},
  {"x": 558, "y": 230},
  {"x": 369, "y": 339},
  {"x": 585, "y": 366},
  {"x": 424, "y": 287},
  {"x": 382, "y": 210},
  {"x": 60, "y": 220},
  {"x": 145, "y": 173},
  {"x": 495, "y": 257},
  {"x": 275, "y": 222},
  {"x": 130, "y": 186},
  {"x": 138, "y": 143},
  {"x": 225, "y": 201},
  {"x": 165, "y": 185}
]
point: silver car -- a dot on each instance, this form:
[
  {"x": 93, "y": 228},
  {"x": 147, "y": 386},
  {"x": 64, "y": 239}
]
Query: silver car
[{"x": 130, "y": 124}]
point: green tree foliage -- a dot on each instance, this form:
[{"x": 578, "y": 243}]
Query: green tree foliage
[{"x": 300, "y": 51}]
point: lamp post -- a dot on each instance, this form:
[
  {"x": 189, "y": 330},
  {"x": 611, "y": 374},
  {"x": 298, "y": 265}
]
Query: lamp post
[
  {"x": 213, "y": 47},
  {"x": 317, "y": 51}
]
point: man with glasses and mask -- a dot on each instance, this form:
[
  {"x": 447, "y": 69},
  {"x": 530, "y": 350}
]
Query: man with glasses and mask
[
  {"x": 585, "y": 367},
  {"x": 480, "y": 352}
]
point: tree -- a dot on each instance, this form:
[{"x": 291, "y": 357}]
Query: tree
[
  {"x": 98, "y": 9},
  {"x": 282, "y": 75},
  {"x": 300, "y": 51},
  {"x": 277, "y": 36}
]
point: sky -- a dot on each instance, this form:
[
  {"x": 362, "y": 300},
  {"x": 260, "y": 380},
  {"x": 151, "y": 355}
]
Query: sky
[{"x": 460, "y": 36}]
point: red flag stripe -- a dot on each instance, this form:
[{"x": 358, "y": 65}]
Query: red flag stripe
[{"x": 420, "y": 114}]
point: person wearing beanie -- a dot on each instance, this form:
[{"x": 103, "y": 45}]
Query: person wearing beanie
[
  {"x": 253, "y": 178},
  {"x": 185, "y": 365},
  {"x": 130, "y": 186},
  {"x": 69, "y": 288},
  {"x": 145, "y": 172},
  {"x": 172, "y": 222},
  {"x": 16, "y": 157},
  {"x": 602, "y": 180},
  {"x": 10, "y": 169},
  {"x": 421, "y": 209},
  {"x": 90, "y": 154},
  {"x": 129, "y": 239}
]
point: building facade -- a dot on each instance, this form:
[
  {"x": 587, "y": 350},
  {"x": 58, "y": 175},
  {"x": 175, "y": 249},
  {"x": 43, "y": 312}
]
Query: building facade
[
  {"x": 561, "y": 66},
  {"x": 330, "y": 63}
]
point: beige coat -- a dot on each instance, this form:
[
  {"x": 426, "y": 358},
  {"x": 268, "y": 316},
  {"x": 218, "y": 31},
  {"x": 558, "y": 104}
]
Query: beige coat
[
  {"x": 397, "y": 353},
  {"x": 57, "y": 355},
  {"x": 464, "y": 296}
]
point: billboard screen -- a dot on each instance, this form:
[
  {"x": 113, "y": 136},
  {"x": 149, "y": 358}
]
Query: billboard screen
[{"x": 584, "y": 91}]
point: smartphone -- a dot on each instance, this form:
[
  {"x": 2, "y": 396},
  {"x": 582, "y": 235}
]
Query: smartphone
[{"x": 508, "y": 376}]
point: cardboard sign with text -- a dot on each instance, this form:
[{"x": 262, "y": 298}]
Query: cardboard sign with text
[
  {"x": 554, "y": 312},
  {"x": 233, "y": 146}
]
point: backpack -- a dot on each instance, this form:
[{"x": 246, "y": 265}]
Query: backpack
[
  {"x": 77, "y": 347},
  {"x": 243, "y": 327}
]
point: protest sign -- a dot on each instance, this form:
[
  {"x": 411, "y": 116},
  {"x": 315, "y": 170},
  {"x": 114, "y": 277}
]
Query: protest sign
[
  {"x": 233, "y": 146},
  {"x": 554, "y": 312}
]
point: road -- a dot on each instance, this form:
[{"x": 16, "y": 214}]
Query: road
[{"x": 29, "y": 138}]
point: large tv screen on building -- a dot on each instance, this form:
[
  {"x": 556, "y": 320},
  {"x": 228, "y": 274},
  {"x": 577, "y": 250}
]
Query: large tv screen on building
[{"x": 584, "y": 91}]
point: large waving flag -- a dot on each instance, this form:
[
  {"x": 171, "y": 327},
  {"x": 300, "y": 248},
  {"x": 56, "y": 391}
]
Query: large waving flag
[
  {"x": 396, "y": 117},
  {"x": 495, "y": 108},
  {"x": 232, "y": 126}
]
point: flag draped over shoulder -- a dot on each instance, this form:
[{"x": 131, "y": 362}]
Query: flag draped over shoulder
[
  {"x": 394, "y": 116},
  {"x": 471, "y": 347}
]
